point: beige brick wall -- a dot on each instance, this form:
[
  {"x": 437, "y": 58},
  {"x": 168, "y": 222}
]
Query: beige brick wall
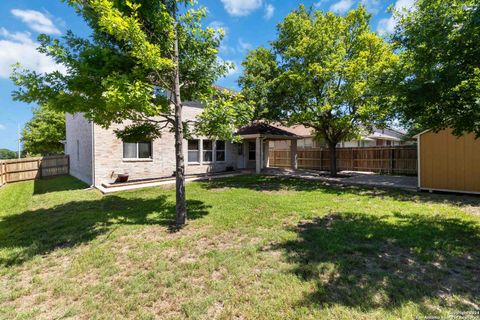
[
  {"x": 109, "y": 155},
  {"x": 79, "y": 146}
]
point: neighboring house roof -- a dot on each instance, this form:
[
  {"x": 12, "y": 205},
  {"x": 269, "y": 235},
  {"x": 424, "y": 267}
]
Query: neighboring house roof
[
  {"x": 265, "y": 129},
  {"x": 385, "y": 134},
  {"x": 298, "y": 130},
  {"x": 380, "y": 135},
  {"x": 220, "y": 88}
]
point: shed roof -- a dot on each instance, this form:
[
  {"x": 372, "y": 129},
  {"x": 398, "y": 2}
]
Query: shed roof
[{"x": 423, "y": 132}]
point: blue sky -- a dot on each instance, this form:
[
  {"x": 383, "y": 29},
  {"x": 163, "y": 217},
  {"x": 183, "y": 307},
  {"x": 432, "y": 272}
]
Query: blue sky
[{"x": 248, "y": 24}]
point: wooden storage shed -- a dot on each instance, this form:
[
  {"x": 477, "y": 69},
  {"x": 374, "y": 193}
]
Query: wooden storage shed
[{"x": 448, "y": 163}]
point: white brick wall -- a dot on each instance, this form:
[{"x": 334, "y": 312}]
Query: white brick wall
[
  {"x": 109, "y": 155},
  {"x": 79, "y": 146}
]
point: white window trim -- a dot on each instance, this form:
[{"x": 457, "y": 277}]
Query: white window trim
[
  {"x": 198, "y": 152},
  {"x": 137, "y": 159},
  {"x": 201, "y": 152},
  {"x": 224, "y": 151},
  {"x": 208, "y": 150}
]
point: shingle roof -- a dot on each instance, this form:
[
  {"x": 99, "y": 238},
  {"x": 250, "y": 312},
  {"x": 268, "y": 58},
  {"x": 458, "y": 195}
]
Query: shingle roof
[
  {"x": 264, "y": 129},
  {"x": 298, "y": 130}
]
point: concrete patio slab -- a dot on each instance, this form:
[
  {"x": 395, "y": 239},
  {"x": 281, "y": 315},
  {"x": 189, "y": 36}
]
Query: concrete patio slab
[
  {"x": 165, "y": 182},
  {"x": 352, "y": 178}
]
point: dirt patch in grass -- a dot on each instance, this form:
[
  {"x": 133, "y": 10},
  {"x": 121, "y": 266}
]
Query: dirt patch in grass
[
  {"x": 364, "y": 261},
  {"x": 474, "y": 210},
  {"x": 282, "y": 192},
  {"x": 41, "y": 287}
]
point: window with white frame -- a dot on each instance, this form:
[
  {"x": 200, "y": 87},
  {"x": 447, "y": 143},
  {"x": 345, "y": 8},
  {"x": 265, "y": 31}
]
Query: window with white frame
[
  {"x": 220, "y": 151},
  {"x": 137, "y": 150},
  {"x": 193, "y": 151},
  {"x": 207, "y": 150}
]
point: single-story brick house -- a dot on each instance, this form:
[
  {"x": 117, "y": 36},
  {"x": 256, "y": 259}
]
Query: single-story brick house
[{"x": 97, "y": 156}]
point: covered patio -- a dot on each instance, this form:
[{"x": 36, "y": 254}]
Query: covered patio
[{"x": 253, "y": 152}]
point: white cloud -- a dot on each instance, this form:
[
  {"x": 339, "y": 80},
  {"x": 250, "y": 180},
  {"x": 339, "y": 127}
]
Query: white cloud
[
  {"x": 233, "y": 70},
  {"x": 23, "y": 37},
  {"x": 244, "y": 46},
  {"x": 219, "y": 25},
  {"x": 240, "y": 8},
  {"x": 20, "y": 48},
  {"x": 372, "y": 6},
  {"x": 36, "y": 21},
  {"x": 342, "y": 6},
  {"x": 269, "y": 11},
  {"x": 387, "y": 25},
  {"x": 404, "y": 4},
  {"x": 226, "y": 49},
  {"x": 3, "y": 127},
  {"x": 319, "y": 3}
]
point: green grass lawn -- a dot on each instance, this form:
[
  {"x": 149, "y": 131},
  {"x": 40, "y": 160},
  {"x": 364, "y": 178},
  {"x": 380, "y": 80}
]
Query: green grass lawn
[{"x": 255, "y": 248}]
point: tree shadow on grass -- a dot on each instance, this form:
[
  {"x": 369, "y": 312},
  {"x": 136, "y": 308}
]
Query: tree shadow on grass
[
  {"x": 279, "y": 183},
  {"x": 270, "y": 183},
  {"x": 56, "y": 184},
  {"x": 31, "y": 233},
  {"x": 372, "y": 262}
]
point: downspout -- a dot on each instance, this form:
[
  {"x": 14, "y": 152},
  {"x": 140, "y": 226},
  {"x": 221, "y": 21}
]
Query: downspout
[{"x": 93, "y": 155}]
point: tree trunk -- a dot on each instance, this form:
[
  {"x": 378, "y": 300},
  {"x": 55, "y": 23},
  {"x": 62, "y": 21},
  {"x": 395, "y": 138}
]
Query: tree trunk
[
  {"x": 332, "y": 147},
  {"x": 181, "y": 202}
]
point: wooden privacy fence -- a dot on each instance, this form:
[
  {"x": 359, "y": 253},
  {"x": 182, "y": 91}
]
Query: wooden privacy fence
[
  {"x": 392, "y": 160},
  {"x": 33, "y": 168}
]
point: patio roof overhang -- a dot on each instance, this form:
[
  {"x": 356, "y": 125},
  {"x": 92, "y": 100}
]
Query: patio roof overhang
[
  {"x": 266, "y": 131},
  {"x": 260, "y": 132}
]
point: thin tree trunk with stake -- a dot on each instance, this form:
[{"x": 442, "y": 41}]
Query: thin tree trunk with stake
[{"x": 181, "y": 202}]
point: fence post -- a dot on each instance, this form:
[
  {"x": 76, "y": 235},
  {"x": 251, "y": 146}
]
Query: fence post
[
  {"x": 321, "y": 160},
  {"x": 5, "y": 176},
  {"x": 39, "y": 165},
  {"x": 392, "y": 157},
  {"x": 1, "y": 173},
  {"x": 353, "y": 152}
]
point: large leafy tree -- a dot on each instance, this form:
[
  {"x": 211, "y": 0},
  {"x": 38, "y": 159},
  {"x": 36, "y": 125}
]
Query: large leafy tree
[
  {"x": 42, "y": 135},
  {"x": 260, "y": 67},
  {"x": 7, "y": 154},
  {"x": 324, "y": 72},
  {"x": 439, "y": 45},
  {"x": 143, "y": 59}
]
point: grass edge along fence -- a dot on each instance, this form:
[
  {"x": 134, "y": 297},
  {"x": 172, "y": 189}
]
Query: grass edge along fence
[
  {"x": 402, "y": 160},
  {"x": 33, "y": 168}
]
